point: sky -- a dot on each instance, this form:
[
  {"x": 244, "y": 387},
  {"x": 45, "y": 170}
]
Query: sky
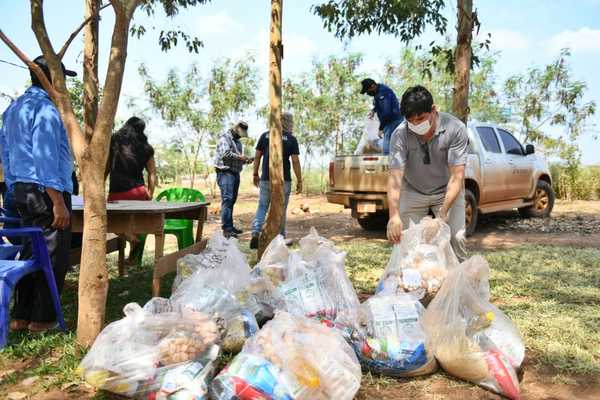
[{"x": 525, "y": 33}]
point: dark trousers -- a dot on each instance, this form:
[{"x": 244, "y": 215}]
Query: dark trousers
[
  {"x": 229, "y": 184},
  {"x": 32, "y": 296},
  {"x": 10, "y": 210}
]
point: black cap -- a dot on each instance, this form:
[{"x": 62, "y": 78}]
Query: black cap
[
  {"x": 41, "y": 61},
  {"x": 366, "y": 83}
]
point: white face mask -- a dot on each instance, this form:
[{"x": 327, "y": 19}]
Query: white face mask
[{"x": 420, "y": 129}]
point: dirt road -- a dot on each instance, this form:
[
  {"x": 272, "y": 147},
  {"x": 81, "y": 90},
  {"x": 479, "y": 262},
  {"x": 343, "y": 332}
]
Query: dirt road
[{"x": 575, "y": 224}]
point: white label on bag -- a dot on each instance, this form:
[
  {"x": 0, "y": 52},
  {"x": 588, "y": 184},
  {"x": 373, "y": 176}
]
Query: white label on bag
[
  {"x": 305, "y": 292},
  {"x": 390, "y": 319}
]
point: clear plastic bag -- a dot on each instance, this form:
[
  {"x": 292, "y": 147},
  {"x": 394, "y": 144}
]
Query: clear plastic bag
[
  {"x": 274, "y": 261},
  {"x": 305, "y": 292},
  {"x": 236, "y": 323},
  {"x": 420, "y": 262},
  {"x": 369, "y": 141},
  {"x": 471, "y": 338},
  {"x": 314, "y": 282},
  {"x": 323, "y": 253},
  {"x": 392, "y": 340},
  {"x": 209, "y": 259},
  {"x": 260, "y": 297},
  {"x": 133, "y": 355},
  {"x": 291, "y": 358},
  {"x": 223, "y": 287},
  {"x": 221, "y": 264}
]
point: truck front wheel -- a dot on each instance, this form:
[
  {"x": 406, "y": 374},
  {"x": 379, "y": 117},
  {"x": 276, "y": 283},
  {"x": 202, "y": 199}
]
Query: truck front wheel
[
  {"x": 374, "y": 222},
  {"x": 471, "y": 212},
  {"x": 543, "y": 202}
]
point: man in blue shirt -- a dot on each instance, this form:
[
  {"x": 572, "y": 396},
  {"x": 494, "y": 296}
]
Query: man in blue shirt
[
  {"x": 387, "y": 107},
  {"x": 37, "y": 158}
]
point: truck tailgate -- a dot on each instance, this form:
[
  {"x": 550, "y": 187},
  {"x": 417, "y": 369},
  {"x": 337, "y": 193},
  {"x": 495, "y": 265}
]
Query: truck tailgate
[{"x": 360, "y": 173}]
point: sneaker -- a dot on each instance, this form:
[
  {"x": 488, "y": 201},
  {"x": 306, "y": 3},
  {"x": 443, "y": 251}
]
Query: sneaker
[
  {"x": 229, "y": 234},
  {"x": 289, "y": 242},
  {"x": 237, "y": 231},
  {"x": 254, "y": 241}
]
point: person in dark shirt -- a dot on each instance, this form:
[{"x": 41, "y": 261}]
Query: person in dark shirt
[
  {"x": 387, "y": 108},
  {"x": 130, "y": 154},
  {"x": 290, "y": 150}
]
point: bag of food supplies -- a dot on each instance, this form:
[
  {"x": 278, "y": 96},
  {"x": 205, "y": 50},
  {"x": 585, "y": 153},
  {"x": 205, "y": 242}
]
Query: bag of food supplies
[
  {"x": 227, "y": 292},
  {"x": 391, "y": 340},
  {"x": 323, "y": 253},
  {"x": 218, "y": 263},
  {"x": 420, "y": 262},
  {"x": 260, "y": 297},
  {"x": 313, "y": 282},
  {"x": 471, "y": 338},
  {"x": 291, "y": 358},
  {"x": 274, "y": 261},
  {"x": 235, "y": 322},
  {"x": 150, "y": 352}
]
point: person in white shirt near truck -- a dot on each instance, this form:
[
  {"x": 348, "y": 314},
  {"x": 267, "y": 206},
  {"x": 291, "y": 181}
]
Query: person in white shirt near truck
[{"x": 427, "y": 162}]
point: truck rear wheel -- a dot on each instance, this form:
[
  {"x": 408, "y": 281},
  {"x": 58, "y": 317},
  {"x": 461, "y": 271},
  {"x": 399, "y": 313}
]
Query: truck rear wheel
[
  {"x": 543, "y": 202},
  {"x": 374, "y": 222},
  {"x": 471, "y": 212}
]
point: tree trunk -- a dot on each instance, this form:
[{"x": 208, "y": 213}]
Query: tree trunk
[
  {"x": 275, "y": 215},
  {"x": 93, "y": 278},
  {"x": 90, "y": 69},
  {"x": 194, "y": 163},
  {"x": 460, "y": 101}
]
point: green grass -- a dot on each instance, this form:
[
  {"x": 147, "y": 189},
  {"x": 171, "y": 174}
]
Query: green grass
[{"x": 552, "y": 295}]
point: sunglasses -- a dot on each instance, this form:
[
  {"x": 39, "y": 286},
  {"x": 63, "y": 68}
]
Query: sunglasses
[{"x": 426, "y": 157}]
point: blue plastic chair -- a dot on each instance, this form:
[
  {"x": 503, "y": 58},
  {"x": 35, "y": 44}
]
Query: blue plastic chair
[
  {"x": 8, "y": 251},
  {"x": 11, "y": 271}
]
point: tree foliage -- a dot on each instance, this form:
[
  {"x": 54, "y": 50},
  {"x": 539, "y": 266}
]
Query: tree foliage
[
  {"x": 548, "y": 100},
  {"x": 418, "y": 67},
  {"x": 169, "y": 38},
  {"x": 327, "y": 109},
  {"x": 199, "y": 108},
  {"x": 403, "y": 19},
  {"x": 550, "y": 96}
]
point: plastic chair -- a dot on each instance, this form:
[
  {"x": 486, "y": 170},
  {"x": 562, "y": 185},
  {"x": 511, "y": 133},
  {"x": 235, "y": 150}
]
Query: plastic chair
[
  {"x": 183, "y": 229},
  {"x": 9, "y": 251},
  {"x": 11, "y": 271}
]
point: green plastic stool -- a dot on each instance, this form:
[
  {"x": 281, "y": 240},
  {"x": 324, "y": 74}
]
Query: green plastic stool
[{"x": 183, "y": 229}]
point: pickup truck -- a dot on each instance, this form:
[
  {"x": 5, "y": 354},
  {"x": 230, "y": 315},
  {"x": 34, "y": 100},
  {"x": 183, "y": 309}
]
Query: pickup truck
[{"x": 501, "y": 174}]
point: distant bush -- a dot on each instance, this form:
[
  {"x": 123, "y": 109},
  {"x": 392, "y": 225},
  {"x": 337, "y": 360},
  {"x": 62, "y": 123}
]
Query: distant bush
[{"x": 581, "y": 183}]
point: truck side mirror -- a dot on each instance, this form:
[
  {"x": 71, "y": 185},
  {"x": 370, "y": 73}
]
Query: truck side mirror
[{"x": 529, "y": 149}]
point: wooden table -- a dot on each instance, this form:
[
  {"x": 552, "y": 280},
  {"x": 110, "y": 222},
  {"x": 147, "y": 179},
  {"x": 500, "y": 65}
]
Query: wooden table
[{"x": 148, "y": 217}]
